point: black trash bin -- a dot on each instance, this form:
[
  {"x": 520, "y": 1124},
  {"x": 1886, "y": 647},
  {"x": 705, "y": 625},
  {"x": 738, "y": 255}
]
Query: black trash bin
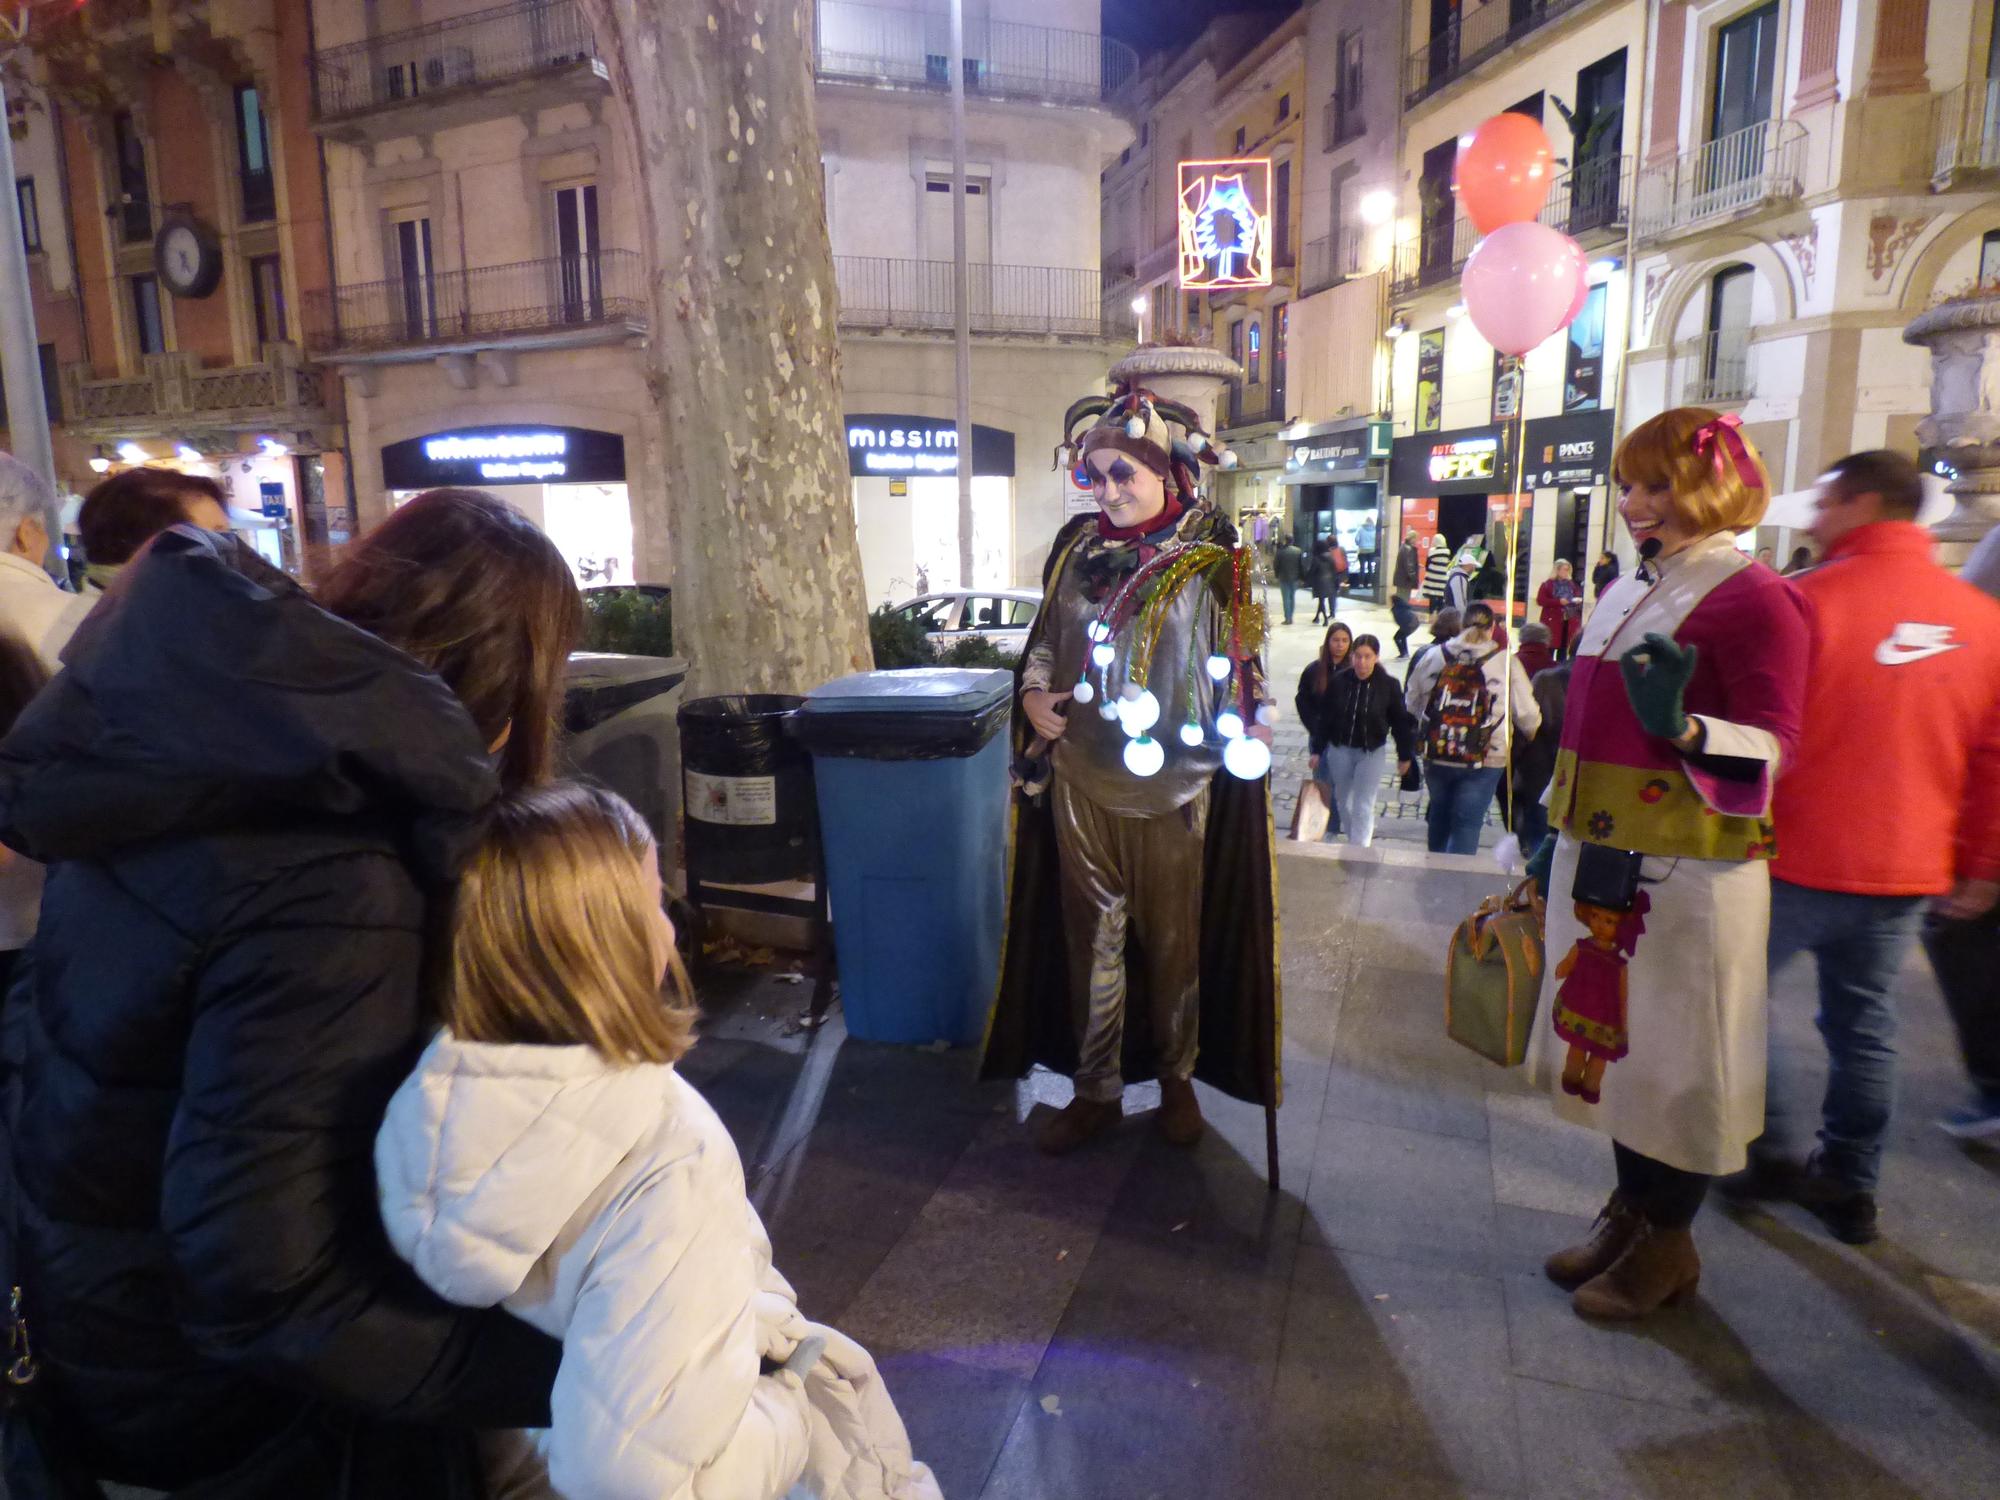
[
  {"x": 747, "y": 790},
  {"x": 619, "y": 730}
]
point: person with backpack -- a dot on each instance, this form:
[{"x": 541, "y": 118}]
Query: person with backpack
[
  {"x": 1336, "y": 555},
  {"x": 1468, "y": 695}
]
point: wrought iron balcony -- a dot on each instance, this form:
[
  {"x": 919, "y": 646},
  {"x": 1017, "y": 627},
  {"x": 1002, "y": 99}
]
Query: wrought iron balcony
[
  {"x": 1003, "y": 60},
  {"x": 915, "y": 296},
  {"x": 1339, "y": 124},
  {"x": 508, "y": 44},
  {"x": 1592, "y": 199},
  {"x": 1731, "y": 175},
  {"x": 1432, "y": 257},
  {"x": 1329, "y": 260},
  {"x": 1965, "y": 131},
  {"x": 175, "y": 392},
  {"x": 562, "y": 301},
  {"x": 1718, "y": 367},
  {"x": 1476, "y": 37}
]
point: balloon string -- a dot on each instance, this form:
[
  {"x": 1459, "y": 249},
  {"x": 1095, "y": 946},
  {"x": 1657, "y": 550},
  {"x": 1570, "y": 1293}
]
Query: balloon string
[{"x": 1513, "y": 532}]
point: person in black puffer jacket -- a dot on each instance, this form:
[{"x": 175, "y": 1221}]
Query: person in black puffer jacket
[
  {"x": 1362, "y": 709},
  {"x": 248, "y": 806}
]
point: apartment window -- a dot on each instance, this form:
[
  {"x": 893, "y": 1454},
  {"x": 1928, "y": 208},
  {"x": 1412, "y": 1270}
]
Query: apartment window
[
  {"x": 1347, "y": 91},
  {"x": 31, "y": 218},
  {"x": 1746, "y": 54},
  {"x": 1438, "y": 210},
  {"x": 1989, "y": 256},
  {"x": 1236, "y": 341},
  {"x": 1599, "y": 128},
  {"x": 416, "y": 273},
  {"x": 579, "y": 256},
  {"x": 147, "y": 328},
  {"x": 1145, "y": 132},
  {"x": 253, "y": 157},
  {"x": 1284, "y": 108},
  {"x": 1726, "y": 353},
  {"x": 133, "y": 206},
  {"x": 1255, "y": 369},
  {"x": 1533, "y": 106},
  {"x": 1281, "y": 323},
  {"x": 1337, "y": 228},
  {"x": 51, "y": 391},
  {"x": 938, "y": 229},
  {"x": 267, "y": 298},
  {"x": 1242, "y": 139},
  {"x": 1281, "y": 214}
]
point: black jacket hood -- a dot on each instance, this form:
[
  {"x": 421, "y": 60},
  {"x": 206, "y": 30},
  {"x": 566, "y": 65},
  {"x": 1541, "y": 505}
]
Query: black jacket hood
[{"x": 206, "y": 692}]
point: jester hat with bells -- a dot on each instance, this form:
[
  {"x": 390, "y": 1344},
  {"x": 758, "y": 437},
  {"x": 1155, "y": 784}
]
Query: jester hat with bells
[{"x": 1163, "y": 435}]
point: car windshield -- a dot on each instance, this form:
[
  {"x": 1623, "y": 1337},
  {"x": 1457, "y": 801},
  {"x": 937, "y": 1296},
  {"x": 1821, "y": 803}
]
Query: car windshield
[{"x": 931, "y": 614}]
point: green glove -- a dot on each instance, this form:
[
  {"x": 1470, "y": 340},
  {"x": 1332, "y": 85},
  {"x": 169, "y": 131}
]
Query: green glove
[
  {"x": 1656, "y": 677},
  {"x": 1540, "y": 863}
]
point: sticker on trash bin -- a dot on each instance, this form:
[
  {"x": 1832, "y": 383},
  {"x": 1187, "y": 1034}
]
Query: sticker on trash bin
[{"x": 732, "y": 799}]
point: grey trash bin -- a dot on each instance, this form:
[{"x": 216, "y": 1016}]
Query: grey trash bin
[{"x": 618, "y": 722}]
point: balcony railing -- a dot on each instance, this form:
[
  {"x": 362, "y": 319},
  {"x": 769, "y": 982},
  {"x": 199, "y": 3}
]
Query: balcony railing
[
  {"x": 1338, "y": 126},
  {"x": 563, "y": 292},
  {"x": 1594, "y": 197},
  {"x": 178, "y": 386},
  {"x": 1965, "y": 126},
  {"x": 876, "y": 44},
  {"x": 1474, "y": 38},
  {"x": 1431, "y": 257},
  {"x": 1328, "y": 260},
  {"x": 487, "y": 46},
  {"x": 915, "y": 296},
  {"x": 1718, "y": 367},
  {"x": 1762, "y": 163}
]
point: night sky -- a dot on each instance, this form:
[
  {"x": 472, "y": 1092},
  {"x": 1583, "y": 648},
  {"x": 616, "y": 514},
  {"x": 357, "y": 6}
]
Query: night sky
[{"x": 1156, "y": 25}]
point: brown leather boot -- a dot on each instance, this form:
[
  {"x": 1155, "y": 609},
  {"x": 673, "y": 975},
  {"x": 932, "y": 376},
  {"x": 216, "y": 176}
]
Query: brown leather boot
[
  {"x": 1617, "y": 1224},
  {"x": 1659, "y": 1266},
  {"x": 1180, "y": 1112},
  {"x": 1078, "y": 1123}
]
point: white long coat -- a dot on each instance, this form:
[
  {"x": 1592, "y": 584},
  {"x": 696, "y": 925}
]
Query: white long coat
[{"x": 606, "y": 1206}]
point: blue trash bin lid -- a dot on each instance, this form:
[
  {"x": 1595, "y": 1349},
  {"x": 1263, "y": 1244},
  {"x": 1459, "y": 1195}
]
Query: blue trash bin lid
[{"x": 927, "y": 690}]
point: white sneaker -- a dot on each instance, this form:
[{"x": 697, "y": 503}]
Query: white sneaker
[{"x": 1972, "y": 1122}]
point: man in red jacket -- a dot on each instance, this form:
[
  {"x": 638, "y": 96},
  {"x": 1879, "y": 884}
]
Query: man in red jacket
[{"x": 1892, "y": 799}]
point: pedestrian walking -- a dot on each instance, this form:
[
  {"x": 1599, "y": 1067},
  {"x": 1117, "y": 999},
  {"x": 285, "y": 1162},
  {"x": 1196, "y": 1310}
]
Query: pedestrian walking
[
  {"x": 1445, "y": 626},
  {"x": 1560, "y": 603},
  {"x": 1536, "y": 653},
  {"x": 1325, "y": 601},
  {"x": 1535, "y": 760},
  {"x": 1891, "y": 800},
  {"x": 1289, "y": 564},
  {"x": 1683, "y": 702},
  {"x": 1408, "y": 577},
  {"x": 245, "y": 798},
  {"x": 1362, "y": 711},
  {"x": 1604, "y": 574},
  {"x": 1437, "y": 571},
  {"x": 1458, "y": 582},
  {"x": 1336, "y": 555},
  {"x": 1406, "y": 618},
  {"x": 1314, "y": 704},
  {"x": 547, "y": 1157},
  {"x": 1469, "y": 697}
]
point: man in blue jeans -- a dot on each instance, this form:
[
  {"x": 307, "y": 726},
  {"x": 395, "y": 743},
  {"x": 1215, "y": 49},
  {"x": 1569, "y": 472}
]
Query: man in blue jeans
[
  {"x": 1891, "y": 802},
  {"x": 1460, "y": 692}
]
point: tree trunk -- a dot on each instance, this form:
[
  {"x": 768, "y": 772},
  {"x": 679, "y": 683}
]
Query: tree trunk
[{"x": 742, "y": 358}]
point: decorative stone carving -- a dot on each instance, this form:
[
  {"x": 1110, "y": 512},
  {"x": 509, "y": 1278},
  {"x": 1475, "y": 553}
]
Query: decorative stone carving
[
  {"x": 1192, "y": 374},
  {"x": 1805, "y": 251},
  {"x": 1888, "y": 238},
  {"x": 1656, "y": 283},
  {"x": 1963, "y": 336}
]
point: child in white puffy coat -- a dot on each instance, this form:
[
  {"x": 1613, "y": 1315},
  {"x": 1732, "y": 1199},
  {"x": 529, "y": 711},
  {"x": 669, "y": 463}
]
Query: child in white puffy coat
[{"x": 546, "y": 1156}]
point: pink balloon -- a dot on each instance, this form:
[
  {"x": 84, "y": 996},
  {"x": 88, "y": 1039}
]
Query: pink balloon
[
  {"x": 1582, "y": 292},
  {"x": 1521, "y": 284}
]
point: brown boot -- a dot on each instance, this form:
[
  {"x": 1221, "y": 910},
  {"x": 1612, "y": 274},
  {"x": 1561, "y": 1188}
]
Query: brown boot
[
  {"x": 1078, "y": 1123},
  {"x": 1180, "y": 1113},
  {"x": 1660, "y": 1266},
  {"x": 1616, "y": 1227}
]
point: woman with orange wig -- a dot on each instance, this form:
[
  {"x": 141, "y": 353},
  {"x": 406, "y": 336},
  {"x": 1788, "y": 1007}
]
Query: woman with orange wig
[{"x": 1684, "y": 701}]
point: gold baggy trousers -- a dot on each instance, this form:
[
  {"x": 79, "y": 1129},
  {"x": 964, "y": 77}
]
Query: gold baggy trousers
[{"x": 1137, "y": 880}]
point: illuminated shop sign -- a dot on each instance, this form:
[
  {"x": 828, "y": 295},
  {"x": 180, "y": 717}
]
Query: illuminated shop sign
[
  {"x": 1466, "y": 461},
  {"x": 1475, "y": 458},
  {"x": 505, "y": 455},
  {"x": 1572, "y": 452},
  {"x": 1225, "y": 223},
  {"x": 894, "y": 445}
]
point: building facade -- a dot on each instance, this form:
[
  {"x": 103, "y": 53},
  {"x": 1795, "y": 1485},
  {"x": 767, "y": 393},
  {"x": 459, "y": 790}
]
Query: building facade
[
  {"x": 1465, "y": 417},
  {"x": 1815, "y": 173},
  {"x": 195, "y": 227}
]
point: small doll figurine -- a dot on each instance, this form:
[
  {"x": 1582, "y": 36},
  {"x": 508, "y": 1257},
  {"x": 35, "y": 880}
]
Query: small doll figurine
[{"x": 1590, "y": 1002}]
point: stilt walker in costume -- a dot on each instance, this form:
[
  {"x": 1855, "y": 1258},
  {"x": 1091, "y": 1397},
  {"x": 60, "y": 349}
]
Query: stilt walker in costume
[
  {"x": 1141, "y": 915},
  {"x": 1685, "y": 698}
]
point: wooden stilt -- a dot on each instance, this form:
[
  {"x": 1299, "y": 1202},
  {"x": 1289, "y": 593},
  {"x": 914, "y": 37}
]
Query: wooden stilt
[{"x": 1271, "y": 1146}]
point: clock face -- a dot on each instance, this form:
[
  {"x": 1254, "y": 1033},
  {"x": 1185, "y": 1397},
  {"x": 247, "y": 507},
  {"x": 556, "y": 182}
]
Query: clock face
[
  {"x": 183, "y": 254},
  {"x": 186, "y": 259}
]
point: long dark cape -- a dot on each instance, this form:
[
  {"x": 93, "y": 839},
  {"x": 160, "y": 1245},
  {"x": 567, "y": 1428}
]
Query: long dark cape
[{"x": 1032, "y": 1020}]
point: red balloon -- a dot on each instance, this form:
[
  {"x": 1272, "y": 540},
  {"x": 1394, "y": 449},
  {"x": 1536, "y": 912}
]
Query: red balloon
[{"x": 1505, "y": 174}]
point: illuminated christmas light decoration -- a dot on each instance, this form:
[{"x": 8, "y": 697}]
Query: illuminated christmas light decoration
[
  {"x": 1225, "y": 223},
  {"x": 1218, "y": 667},
  {"x": 1229, "y": 724},
  {"x": 1191, "y": 735},
  {"x": 1144, "y": 756},
  {"x": 1083, "y": 692},
  {"x": 1245, "y": 758}
]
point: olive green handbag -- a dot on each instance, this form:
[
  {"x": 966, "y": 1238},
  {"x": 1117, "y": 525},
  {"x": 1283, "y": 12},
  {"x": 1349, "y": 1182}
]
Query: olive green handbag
[{"x": 1493, "y": 976}]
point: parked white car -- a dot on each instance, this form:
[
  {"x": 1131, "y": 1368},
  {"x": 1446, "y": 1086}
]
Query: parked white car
[{"x": 1002, "y": 616}]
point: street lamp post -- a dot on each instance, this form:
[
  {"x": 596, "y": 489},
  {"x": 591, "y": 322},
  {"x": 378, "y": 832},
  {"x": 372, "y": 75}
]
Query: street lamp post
[
  {"x": 20, "y": 350},
  {"x": 960, "y": 302}
]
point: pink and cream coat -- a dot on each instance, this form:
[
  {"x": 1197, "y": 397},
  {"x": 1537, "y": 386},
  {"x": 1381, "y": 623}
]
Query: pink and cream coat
[{"x": 1690, "y": 1091}]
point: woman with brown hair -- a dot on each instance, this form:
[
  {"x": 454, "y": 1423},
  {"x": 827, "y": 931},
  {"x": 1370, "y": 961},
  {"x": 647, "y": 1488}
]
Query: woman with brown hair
[
  {"x": 247, "y": 801},
  {"x": 1313, "y": 702}
]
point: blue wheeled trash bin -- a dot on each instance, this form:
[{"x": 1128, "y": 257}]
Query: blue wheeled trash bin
[{"x": 911, "y": 768}]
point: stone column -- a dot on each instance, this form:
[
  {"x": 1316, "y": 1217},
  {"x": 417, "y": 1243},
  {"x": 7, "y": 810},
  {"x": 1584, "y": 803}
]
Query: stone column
[
  {"x": 1964, "y": 339},
  {"x": 1898, "y": 65},
  {"x": 1191, "y": 374},
  {"x": 1819, "y": 53},
  {"x": 1664, "y": 132}
]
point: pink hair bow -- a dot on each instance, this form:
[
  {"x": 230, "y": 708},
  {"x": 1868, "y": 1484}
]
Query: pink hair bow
[{"x": 1713, "y": 439}]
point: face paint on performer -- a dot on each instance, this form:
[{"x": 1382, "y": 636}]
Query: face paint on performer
[{"x": 1129, "y": 493}]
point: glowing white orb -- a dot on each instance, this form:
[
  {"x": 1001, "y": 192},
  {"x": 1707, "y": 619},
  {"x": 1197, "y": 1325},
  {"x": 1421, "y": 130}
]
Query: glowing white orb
[
  {"x": 1245, "y": 757},
  {"x": 1097, "y": 630},
  {"x": 1218, "y": 667},
  {"x": 1267, "y": 714},
  {"x": 1102, "y": 654},
  {"x": 1191, "y": 735},
  {"x": 1139, "y": 713},
  {"x": 1107, "y": 710},
  {"x": 1229, "y": 724},
  {"x": 1083, "y": 692},
  {"x": 1144, "y": 756}
]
